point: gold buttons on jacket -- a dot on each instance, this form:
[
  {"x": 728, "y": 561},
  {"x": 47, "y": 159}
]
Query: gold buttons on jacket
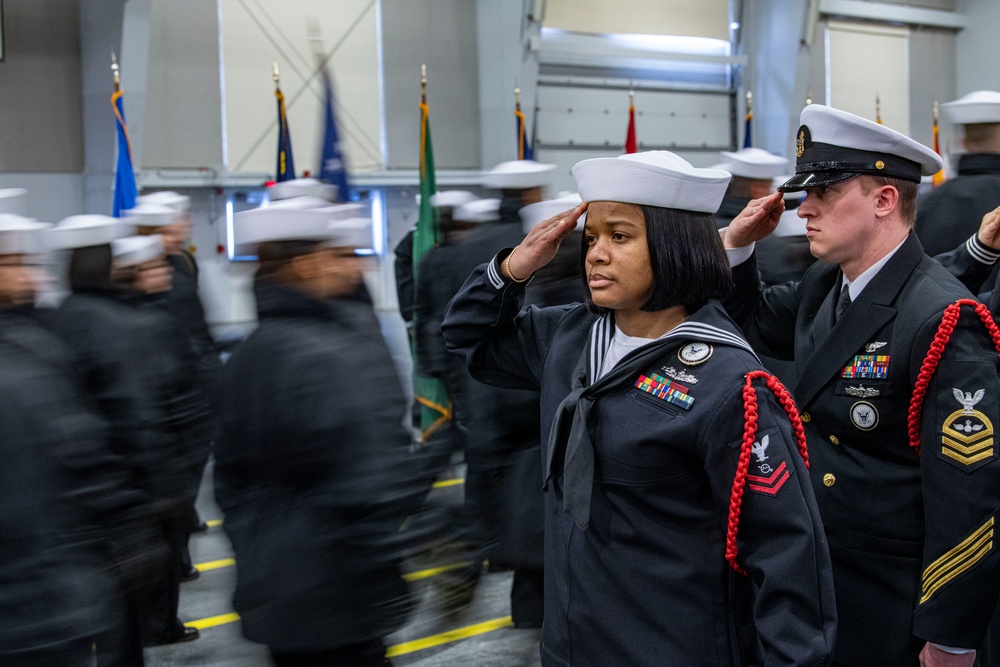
[
  {"x": 829, "y": 479},
  {"x": 834, "y": 439},
  {"x": 805, "y": 417}
]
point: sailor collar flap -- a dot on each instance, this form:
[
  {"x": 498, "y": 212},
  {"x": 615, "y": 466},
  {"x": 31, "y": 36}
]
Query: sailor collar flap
[{"x": 570, "y": 433}]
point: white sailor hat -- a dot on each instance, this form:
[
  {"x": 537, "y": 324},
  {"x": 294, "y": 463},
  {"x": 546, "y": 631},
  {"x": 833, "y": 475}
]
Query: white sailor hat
[
  {"x": 982, "y": 106},
  {"x": 299, "y": 203},
  {"x": 82, "y": 231},
  {"x": 151, "y": 215},
  {"x": 274, "y": 223},
  {"x": 755, "y": 163},
  {"x": 834, "y": 146},
  {"x": 345, "y": 211},
  {"x": 302, "y": 187},
  {"x": 652, "y": 178},
  {"x": 533, "y": 214},
  {"x": 480, "y": 210},
  {"x": 350, "y": 233},
  {"x": 14, "y": 200},
  {"x": 132, "y": 250},
  {"x": 518, "y": 175},
  {"x": 21, "y": 236},
  {"x": 451, "y": 198},
  {"x": 175, "y": 200}
]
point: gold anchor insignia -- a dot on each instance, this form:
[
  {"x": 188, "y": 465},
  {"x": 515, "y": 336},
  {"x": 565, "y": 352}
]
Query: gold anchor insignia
[
  {"x": 800, "y": 145},
  {"x": 966, "y": 435}
]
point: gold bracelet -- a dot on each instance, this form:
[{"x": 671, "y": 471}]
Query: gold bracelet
[{"x": 506, "y": 267}]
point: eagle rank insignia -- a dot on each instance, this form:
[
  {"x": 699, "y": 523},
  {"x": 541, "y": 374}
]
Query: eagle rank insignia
[{"x": 967, "y": 434}]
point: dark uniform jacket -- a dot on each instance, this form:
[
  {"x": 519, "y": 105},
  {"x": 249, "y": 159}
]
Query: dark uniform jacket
[
  {"x": 185, "y": 304},
  {"x": 647, "y": 582},
  {"x": 308, "y": 474},
  {"x": 951, "y": 212},
  {"x": 910, "y": 534},
  {"x": 62, "y": 493},
  {"x": 134, "y": 360}
]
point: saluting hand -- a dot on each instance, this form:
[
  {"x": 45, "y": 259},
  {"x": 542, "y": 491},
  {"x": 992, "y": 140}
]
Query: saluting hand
[
  {"x": 756, "y": 221},
  {"x": 541, "y": 244},
  {"x": 989, "y": 229}
]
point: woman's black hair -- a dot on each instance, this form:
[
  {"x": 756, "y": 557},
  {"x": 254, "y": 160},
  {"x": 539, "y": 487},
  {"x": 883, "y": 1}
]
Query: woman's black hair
[
  {"x": 90, "y": 269},
  {"x": 686, "y": 256}
]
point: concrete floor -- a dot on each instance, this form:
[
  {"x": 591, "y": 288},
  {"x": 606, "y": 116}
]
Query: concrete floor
[{"x": 223, "y": 645}]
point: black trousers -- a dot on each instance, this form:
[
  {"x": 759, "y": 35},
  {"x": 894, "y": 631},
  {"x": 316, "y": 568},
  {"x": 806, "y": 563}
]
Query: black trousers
[
  {"x": 366, "y": 654},
  {"x": 158, "y": 601}
]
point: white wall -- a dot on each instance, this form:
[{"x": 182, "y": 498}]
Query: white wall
[{"x": 694, "y": 18}]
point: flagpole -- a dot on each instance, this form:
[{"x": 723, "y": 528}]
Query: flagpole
[
  {"x": 423, "y": 84},
  {"x": 114, "y": 71},
  {"x": 878, "y": 109}
]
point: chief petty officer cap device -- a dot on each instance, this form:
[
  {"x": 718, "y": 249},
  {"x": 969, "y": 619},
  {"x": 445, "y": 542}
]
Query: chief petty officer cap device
[{"x": 832, "y": 146}]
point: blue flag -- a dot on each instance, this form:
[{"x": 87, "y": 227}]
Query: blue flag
[
  {"x": 331, "y": 167},
  {"x": 523, "y": 145},
  {"x": 125, "y": 190},
  {"x": 747, "y": 141},
  {"x": 285, "y": 170}
]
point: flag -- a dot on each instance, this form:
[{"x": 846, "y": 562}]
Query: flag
[
  {"x": 429, "y": 392},
  {"x": 630, "y": 146},
  {"x": 938, "y": 178},
  {"x": 125, "y": 190},
  {"x": 747, "y": 139},
  {"x": 285, "y": 170},
  {"x": 331, "y": 167},
  {"x": 523, "y": 147}
]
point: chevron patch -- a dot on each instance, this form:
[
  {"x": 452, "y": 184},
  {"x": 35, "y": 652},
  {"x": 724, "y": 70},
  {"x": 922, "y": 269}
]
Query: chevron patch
[
  {"x": 967, "y": 435},
  {"x": 770, "y": 484},
  {"x": 957, "y": 560}
]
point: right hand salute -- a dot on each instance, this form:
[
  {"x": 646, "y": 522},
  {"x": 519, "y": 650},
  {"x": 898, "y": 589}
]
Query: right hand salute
[
  {"x": 756, "y": 221},
  {"x": 989, "y": 229},
  {"x": 541, "y": 244}
]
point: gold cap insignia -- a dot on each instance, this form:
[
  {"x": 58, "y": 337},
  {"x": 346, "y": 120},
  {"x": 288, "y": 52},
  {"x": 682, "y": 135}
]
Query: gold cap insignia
[{"x": 800, "y": 145}]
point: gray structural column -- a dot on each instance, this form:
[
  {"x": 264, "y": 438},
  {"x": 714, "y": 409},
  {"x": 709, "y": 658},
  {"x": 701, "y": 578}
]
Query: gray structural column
[
  {"x": 778, "y": 71},
  {"x": 100, "y": 34},
  {"x": 508, "y": 55}
]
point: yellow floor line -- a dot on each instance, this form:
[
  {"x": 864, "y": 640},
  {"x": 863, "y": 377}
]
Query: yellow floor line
[
  {"x": 398, "y": 649},
  {"x": 213, "y": 621},
  {"x": 448, "y": 637},
  {"x": 212, "y": 523},
  {"x": 215, "y": 564},
  {"x": 448, "y": 482},
  {"x": 433, "y": 572}
]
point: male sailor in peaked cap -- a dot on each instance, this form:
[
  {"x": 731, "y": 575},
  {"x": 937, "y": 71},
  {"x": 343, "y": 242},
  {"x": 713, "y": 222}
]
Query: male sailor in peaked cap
[
  {"x": 903, "y": 490},
  {"x": 664, "y": 509}
]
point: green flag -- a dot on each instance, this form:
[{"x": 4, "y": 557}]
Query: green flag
[{"x": 429, "y": 392}]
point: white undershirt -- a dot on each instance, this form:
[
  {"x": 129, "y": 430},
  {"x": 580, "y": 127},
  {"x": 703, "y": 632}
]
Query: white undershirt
[{"x": 621, "y": 344}]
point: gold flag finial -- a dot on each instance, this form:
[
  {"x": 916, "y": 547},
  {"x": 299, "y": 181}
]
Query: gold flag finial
[
  {"x": 517, "y": 97},
  {"x": 749, "y": 101},
  {"x": 935, "y": 112},
  {"x": 115, "y": 71},
  {"x": 631, "y": 92},
  {"x": 423, "y": 84},
  {"x": 275, "y": 75},
  {"x": 809, "y": 98},
  {"x": 878, "y": 109}
]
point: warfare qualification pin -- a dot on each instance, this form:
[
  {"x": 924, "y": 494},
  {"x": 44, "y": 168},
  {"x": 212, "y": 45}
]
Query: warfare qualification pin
[{"x": 693, "y": 354}]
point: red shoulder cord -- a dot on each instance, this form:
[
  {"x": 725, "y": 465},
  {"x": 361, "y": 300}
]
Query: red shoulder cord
[
  {"x": 941, "y": 338},
  {"x": 749, "y": 436}
]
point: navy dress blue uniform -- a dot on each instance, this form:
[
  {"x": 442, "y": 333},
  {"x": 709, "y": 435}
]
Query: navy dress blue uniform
[
  {"x": 309, "y": 474},
  {"x": 901, "y": 526},
  {"x": 631, "y": 588}
]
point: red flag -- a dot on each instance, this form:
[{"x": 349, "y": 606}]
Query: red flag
[{"x": 630, "y": 135}]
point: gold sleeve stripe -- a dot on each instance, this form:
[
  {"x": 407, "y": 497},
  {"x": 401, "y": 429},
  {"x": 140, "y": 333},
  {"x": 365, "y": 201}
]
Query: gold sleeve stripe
[{"x": 957, "y": 560}]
